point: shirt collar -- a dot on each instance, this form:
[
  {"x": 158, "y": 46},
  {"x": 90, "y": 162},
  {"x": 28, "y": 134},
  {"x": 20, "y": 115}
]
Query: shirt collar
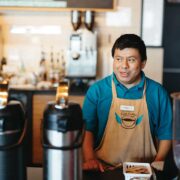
[{"x": 140, "y": 85}]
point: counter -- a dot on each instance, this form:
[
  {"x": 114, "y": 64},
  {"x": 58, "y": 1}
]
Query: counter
[
  {"x": 107, "y": 175},
  {"x": 117, "y": 174},
  {"x": 34, "y": 101},
  {"x": 37, "y": 173}
]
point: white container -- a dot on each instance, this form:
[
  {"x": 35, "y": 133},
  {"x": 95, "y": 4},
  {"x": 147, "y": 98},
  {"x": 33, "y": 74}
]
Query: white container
[{"x": 129, "y": 167}]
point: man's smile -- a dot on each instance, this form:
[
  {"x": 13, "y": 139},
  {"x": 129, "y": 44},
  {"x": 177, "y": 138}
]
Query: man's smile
[{"x": 123, "y": 74}]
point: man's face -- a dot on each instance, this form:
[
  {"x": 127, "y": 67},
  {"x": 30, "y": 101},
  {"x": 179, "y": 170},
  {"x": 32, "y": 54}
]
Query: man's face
[{"x": 127, "y": 66}]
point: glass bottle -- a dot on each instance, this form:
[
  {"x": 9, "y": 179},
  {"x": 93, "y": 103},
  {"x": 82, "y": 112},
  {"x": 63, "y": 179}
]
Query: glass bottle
[
  {"x": 89, "y": 20},
  {"x": 51, "y": 70},
  {"x": 76, "y": 19}
]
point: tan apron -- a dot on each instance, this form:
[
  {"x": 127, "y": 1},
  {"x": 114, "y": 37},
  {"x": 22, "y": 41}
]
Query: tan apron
[{"x": 127, "y": 135}]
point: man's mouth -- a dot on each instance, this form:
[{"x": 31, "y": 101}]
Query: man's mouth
[{"x": 123, "y": 74}]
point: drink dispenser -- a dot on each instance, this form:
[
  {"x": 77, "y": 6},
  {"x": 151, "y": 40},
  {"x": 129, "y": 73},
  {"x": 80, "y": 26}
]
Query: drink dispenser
[
  {"x": 62, "y": 138},
  {"x": 82, "y": 55},
  {"x": 176, "y": 128},
  {"x": 12, "y": 132}
]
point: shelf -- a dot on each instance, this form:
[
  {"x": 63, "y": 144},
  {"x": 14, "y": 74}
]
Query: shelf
[{"x": 57, "y": 5}]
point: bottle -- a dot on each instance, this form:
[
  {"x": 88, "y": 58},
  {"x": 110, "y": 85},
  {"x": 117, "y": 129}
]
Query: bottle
[
  {"x": 89, "y": 20},
  {"x": 63, "y": 65},
  {"x": 76, "y": 19},
  {"x": 57, "y": 70},
  {"x": 3, "y": 62},
  {"x": 43, "y": 73},
  {"x": 51, "y": 70}
]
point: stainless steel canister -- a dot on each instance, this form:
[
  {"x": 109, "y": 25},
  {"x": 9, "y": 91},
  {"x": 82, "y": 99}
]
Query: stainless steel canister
[
  {"x": 62, "y": 139},
  {"x": 12, "y": 133}
]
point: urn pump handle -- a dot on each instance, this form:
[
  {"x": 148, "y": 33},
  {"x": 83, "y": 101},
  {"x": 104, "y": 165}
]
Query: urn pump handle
[
  {"x": 62, "y": 94},
  {"x": 3, "y": 94}
]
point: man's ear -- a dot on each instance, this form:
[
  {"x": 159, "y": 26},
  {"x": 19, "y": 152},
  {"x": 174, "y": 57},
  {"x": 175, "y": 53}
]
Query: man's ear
[{"x": 143, "y": 64}]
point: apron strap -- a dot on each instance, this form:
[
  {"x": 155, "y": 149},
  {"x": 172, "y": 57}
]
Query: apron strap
[{"x": 114, "y": 93}]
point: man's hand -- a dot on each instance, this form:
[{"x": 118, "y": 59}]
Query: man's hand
[
  {"x": 90, "y": 161},
  {"x": 93, "y": 164},
  {"x": 163, "y": 149}
]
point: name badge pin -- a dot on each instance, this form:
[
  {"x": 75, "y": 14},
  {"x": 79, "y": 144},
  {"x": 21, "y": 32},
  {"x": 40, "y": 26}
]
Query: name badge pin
[{"x": 126, "y": 108}]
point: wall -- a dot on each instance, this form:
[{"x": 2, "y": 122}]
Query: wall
[
  {"x": 154, "y": 64},
  {"x": 1, "y": 44},
  {"x": 26, "y": 48}
]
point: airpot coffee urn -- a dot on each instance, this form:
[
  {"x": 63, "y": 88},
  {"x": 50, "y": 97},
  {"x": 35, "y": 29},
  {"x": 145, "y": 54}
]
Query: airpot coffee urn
[
  {"x": 62, "y": 138},
  {"x": 12, "y": 131}
]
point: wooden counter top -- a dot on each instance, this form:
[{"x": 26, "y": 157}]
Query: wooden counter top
[{"x": 51, "y": 90}]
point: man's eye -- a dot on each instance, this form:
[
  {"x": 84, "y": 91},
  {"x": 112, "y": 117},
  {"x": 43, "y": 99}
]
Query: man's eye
[
  {"x": 131, "y": 59},
  {"x": 119, "y": 59}
]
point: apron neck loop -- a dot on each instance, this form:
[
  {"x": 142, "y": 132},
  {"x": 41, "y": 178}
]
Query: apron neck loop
[
  {"x": 144, "y": 90},
  {"x": 114, "y": 93}
]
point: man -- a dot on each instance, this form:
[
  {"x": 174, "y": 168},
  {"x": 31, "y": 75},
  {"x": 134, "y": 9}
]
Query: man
[{"x": 128, "y": 116}]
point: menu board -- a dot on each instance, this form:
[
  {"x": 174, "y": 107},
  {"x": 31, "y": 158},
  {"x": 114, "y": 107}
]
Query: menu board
[
  {"x": 100, "y": 4},
  {"x": 94, "y": 4},
  {"x": 33, "y": 3}
]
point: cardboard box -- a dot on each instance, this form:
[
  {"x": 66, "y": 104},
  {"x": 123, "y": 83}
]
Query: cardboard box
[{"x": 137, "y": 171}]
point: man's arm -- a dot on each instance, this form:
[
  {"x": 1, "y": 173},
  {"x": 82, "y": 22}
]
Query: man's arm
[
  {"x": 163, "y": 149},
  {"x": 164, "y": 124},
  {"x": 90, "y": 161}
]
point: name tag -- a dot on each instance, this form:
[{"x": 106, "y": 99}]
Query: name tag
[{"x": 126, "y": 108}]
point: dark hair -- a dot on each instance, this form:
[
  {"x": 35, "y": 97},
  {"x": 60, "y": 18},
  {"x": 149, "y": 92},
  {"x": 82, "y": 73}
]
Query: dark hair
[{"x": 130, "y": 41}]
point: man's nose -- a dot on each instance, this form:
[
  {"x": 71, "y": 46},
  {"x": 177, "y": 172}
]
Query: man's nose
[{"x": 125, "y": 64}]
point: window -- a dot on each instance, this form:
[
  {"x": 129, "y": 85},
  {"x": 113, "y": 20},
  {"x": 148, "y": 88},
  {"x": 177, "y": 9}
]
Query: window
[{"x": 152, "y": 22}]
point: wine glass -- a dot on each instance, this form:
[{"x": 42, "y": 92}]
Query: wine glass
[{"x": 176, "y": 128}]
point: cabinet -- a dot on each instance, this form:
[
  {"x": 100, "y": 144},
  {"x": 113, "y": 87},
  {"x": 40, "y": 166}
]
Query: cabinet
[
  {"x": 100, "y": 4},
  {"x": 39, "y": 103}
]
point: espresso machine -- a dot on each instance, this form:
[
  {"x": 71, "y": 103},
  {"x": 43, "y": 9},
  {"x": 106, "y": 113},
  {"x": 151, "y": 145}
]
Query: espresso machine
[{"x": 81, "y": 55}]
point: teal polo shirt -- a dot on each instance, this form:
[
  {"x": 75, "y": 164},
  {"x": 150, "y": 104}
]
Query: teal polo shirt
[{"x": 98, "y": 99}]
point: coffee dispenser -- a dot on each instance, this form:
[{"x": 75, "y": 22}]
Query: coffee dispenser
[
  {"x": 62, "y": 138},
  {"x": 82, "y": 52},
  {"x": 82, "y": 55},
  {"x": 12, "y": 133}
]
